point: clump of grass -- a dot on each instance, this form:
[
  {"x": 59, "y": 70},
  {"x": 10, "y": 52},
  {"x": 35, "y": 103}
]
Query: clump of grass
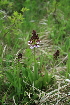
[{"x": 24, "y": 81}]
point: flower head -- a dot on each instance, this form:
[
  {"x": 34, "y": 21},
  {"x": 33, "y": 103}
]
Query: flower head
[
  {"x": 34, "y": 40},
  {"x": 56, "y": 54},
  {"x": 19, "y": 56}
]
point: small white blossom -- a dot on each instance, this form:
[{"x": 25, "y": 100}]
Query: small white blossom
[{"x": 31, "y": 47}]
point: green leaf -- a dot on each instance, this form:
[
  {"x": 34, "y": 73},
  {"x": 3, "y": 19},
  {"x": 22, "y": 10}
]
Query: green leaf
[
  {"x": 30, "y": 75},
  {"x": 38, "y": 83},
  {"x": 10, "y": 76},
  {"x": 47, "y": 78},
  {"x": 25, "y": 72},
  {"x": 24, "y": 9}
]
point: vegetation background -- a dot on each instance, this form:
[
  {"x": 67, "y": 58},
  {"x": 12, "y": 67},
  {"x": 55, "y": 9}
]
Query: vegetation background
[{"x": 28, "y": 75}]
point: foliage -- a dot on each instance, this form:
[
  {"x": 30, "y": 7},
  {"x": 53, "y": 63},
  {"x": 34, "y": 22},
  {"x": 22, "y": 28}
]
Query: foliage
[{"x": 23, "y": 79}]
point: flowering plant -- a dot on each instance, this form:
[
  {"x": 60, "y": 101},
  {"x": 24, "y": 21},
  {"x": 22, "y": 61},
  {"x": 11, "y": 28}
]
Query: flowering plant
[{"x": 34, "y": 40}]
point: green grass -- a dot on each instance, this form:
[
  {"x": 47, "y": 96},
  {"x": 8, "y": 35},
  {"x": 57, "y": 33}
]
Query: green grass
[{"x": 26, "y": 80}]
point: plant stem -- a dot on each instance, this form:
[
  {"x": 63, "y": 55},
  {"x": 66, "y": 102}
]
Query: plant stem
[
  {"x": 35, "y": 67},
  {"x": 34, "y": 56}
]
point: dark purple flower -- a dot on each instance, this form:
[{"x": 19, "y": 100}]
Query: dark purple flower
[
  {"x": 56, "y": 54},
  {"x": 19, "y": 56},
  {"x": 34, "y": 40}
]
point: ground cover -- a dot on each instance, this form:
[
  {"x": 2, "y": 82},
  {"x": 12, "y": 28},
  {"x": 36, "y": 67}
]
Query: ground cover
[{"x": 34, "y": 53}]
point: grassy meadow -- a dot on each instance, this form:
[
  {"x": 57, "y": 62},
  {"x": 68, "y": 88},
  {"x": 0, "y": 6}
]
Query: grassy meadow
[{"x": 34, "y": 52}]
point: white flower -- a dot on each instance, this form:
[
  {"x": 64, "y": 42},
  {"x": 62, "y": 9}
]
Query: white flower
[{"x": 31, "y": 47}]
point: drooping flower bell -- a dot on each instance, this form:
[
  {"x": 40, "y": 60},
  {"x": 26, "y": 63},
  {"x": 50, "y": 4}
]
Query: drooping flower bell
[{"x": 34, "y": 40}]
